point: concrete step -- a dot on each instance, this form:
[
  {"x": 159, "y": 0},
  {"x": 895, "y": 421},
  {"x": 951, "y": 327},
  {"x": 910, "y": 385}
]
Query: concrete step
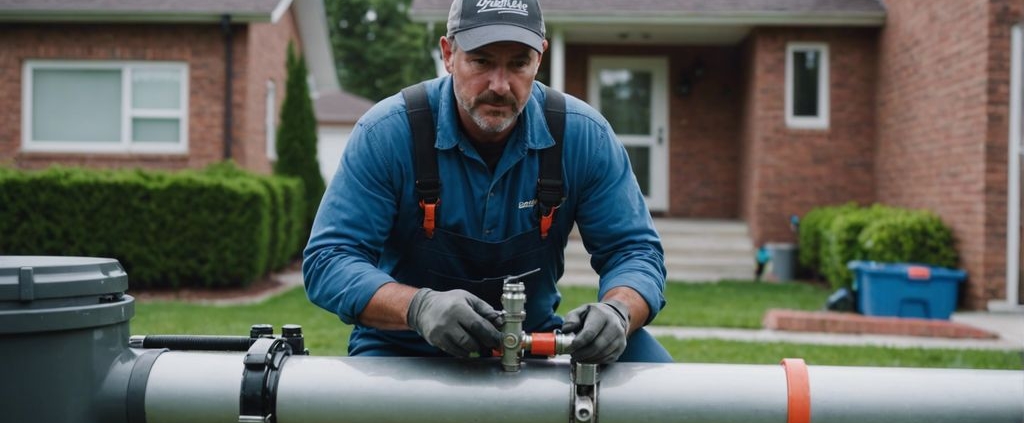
[
  {"x": 699, "y": 250},
  {"x": 582, "y": 262},
  {"x": 685, "y": 276},
  {"x": 700, "y": 227}
]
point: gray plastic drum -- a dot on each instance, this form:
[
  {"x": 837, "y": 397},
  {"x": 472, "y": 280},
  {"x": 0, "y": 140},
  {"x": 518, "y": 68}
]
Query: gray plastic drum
[{"x": 63, "y": 327}]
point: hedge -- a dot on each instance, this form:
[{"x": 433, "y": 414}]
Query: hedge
[
  {"x": 169, "y": 230},
  {"x": 840, "y": 242},
  {"x": 813, "y": 226},
  {"x": 917, "y": 237},
  {"x": 287, "y": 212},
  {"x": 836, "y": 235}
]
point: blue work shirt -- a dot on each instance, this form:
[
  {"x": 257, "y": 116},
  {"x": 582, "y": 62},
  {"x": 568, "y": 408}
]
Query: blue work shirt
[{"x": 369, "y": 218}]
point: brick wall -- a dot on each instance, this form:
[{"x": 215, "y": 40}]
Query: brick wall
[
  {"x": 201, "y": 46},
  {"x": 705, "y": 150},
  {"x": 943, "y": 122},
  {"x": 789, "y": 171},
  {"x": 267, "y": 53},
  {"x": 703, "y": 126}
]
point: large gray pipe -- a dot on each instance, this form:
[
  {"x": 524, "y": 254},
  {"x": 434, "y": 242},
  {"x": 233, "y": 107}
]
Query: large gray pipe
[
  {"x": 64, "y": 345},
  {"x": 204, "y": 388}
]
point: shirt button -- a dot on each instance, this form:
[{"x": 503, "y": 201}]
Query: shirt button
[
  {"x": 487, "y": 232},
  {"x": 491, "y": 194}
]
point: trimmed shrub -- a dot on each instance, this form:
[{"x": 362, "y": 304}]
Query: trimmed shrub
[
  {"x": 296, "y": 233},
  {"x": 166, "y": 229},
  {"x": 286, "y": 211},
  {"x": 297, "y": 138},
  {"x": 813, "y": 226},
  {"x": 910, "y": 237},
  {"x": 876, "y": 233}
]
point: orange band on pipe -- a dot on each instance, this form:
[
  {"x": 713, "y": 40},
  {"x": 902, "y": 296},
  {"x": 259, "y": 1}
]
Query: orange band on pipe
[
  {"x": 543, "y": 343},
  {"x": 799, "y": 391}
]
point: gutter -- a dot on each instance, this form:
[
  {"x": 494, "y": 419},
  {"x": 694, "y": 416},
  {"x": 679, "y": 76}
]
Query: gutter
[
  {"x": 101, "y": 11},
  {"x": 556, "y": 17},
  {"x": 85, "y": 16},
  {"x": 225, "y": 23}
]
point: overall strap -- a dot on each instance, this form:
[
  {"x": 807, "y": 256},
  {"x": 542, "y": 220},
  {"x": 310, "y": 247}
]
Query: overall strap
[
  {"x": 550, "y": 192},
  {"x": 421, "y": 123}
]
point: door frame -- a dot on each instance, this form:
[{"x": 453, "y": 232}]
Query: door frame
[{"x": 659, "y": 146}]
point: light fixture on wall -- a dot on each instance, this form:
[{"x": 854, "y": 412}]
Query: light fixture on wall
[{"x": 688, "y": 77}]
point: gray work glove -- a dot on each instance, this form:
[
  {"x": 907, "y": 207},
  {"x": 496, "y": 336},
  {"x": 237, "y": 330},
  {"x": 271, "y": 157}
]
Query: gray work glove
[
  {"x": 455, "y": 321},
  {"x": 600, "y": 330}
]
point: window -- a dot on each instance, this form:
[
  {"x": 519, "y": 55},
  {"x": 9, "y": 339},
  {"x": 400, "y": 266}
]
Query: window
[
  {"x": 807, "y": 100},
  {"x": 86, "y": 106},
  {"x": 270, "y": 120}
]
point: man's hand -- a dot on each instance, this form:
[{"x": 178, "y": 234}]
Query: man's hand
[
  {"x": 600, "y": 331},
  {"x": 455, "y": 321}
]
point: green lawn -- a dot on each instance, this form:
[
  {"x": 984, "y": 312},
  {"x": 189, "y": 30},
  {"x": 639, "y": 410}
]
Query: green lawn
[
  {"x": 325, "y": 334},
  {"x": 723, "y": 304},
  {"x": 722, "y": 351}
]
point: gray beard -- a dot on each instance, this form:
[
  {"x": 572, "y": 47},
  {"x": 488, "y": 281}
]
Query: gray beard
[{"x": 483, "y": 124}]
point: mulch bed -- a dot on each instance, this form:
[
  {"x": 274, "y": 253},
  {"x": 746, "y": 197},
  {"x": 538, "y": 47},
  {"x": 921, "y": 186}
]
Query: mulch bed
[{"x": 255, "y": 289}]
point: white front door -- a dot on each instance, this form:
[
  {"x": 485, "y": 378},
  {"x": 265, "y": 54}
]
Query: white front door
[{"x": 632, "y": 93}]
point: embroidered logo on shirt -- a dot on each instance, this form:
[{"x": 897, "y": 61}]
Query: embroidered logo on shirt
[
  {"x": 502, "y": 6},
  {"x": 527, "y": 204}
]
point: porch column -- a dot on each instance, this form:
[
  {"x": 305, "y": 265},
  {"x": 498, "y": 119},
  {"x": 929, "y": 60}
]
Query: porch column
[
  {"x": 1013, "y": 206},
  {"x": 557, "y": 53}
]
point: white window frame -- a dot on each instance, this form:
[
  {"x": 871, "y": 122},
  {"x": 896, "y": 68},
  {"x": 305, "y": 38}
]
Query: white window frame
[
  {"x": 270, "y": 119},
  {"x": 806, "y": 122},
  {"x": 125, "y": 143}
]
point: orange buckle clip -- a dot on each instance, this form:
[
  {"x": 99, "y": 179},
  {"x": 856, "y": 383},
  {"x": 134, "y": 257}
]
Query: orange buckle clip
[
  {"x": 545, "y": 223},
  {"x": 428, "y": 217}
]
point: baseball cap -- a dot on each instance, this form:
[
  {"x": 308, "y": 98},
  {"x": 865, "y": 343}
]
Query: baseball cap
[{"x": 476, "y": 23}]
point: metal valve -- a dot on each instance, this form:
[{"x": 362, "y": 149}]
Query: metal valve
[{"x": 514, "y": 342}]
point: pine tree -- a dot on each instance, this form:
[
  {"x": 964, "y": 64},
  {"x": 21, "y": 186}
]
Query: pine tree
[{"x": 296, "y": 136}]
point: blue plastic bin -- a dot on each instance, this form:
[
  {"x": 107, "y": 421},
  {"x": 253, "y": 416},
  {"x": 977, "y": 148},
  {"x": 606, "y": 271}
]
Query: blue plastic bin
[{"x": 905, "y": 290}]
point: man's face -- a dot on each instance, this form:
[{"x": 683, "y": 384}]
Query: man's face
[{"x": 492, "y": 85}]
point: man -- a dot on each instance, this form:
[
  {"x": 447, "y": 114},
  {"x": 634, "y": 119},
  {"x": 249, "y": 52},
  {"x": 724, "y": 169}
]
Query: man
[{"x": 418, "y": 272}]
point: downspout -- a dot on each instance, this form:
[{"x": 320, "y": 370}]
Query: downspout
[{"x": 225, "y": 24}]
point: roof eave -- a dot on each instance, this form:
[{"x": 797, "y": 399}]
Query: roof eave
[
  {"x": 133, "y": 17},
  {"x": 865, "y": 19}
]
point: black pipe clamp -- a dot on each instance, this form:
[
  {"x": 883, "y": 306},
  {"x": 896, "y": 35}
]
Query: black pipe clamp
[{"x": 263, "y": 363}]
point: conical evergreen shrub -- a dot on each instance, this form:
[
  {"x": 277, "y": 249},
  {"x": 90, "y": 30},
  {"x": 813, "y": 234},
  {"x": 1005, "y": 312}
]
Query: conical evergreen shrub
[{"x": 296, "y": 136}]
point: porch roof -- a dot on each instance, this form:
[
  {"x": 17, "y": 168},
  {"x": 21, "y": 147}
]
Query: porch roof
[
  {"x": 142, "y": 10},
  {"x": 340, "y": 107},
  {"x": 680, "y": 21},
  {"x": 750, "y": 12}
]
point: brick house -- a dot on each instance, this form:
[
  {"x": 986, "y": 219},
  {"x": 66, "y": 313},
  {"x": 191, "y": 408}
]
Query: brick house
[
  {"x": 144, "y": 83},
  {"x": 336, "y": 115},
  {"x": 755, "y": 110}
]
